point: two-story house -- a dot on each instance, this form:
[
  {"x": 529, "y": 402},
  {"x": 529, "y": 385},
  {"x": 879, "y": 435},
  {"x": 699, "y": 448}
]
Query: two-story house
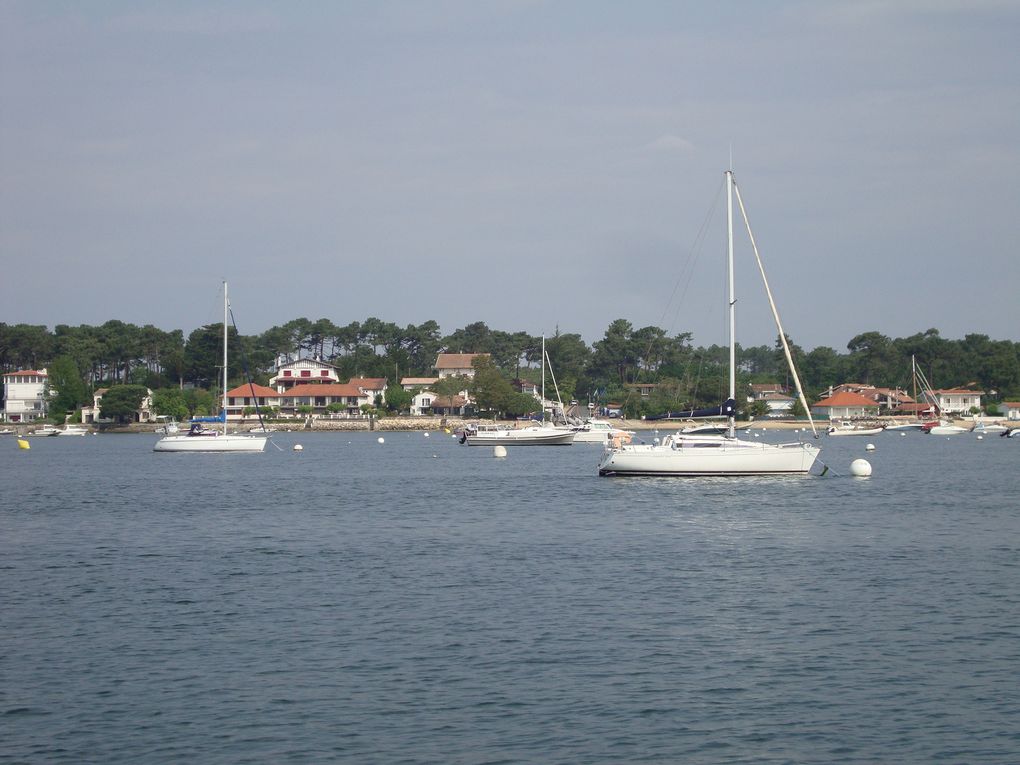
[
  {"x": 25, "y": 395},
  {"x": 248, "y": 397},
  {"x": 845, "y": 405},
  {"x": 451, "y": 364},
  {"x": 91, "y": 414},
  {"x": 957, "y": 400},
  {"x": 303, "y": 372}
]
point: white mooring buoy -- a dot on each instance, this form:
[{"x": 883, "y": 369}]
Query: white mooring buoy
[
  {"x": 869, "y": 448},
  {"x": 298, "y": 447},
  {"x": 426, "y": 435},
  {"x": 381, "y": 440},
  {"x": 860, "y": 468},
  {"x": 499, "y": 451}
]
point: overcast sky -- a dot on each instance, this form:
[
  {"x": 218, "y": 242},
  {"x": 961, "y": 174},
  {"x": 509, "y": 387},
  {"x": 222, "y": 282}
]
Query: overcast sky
[{"x": 528, "y": 164}]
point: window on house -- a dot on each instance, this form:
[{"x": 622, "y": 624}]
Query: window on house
[{"x": 306, "y": 372}]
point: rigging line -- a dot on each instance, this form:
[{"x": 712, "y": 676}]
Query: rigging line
[
  {"x": 247, "y": 373},
  {"x": 685, "y": 277},
  {"x": 694, "y": 255}
]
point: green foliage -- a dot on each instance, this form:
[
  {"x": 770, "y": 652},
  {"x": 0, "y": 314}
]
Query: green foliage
[
  {"x": 397, "y": 399},
  {"x": 66, "y": 389},
  {"x": 170, "y": 402},
  {"x": 121, "y": 402}
]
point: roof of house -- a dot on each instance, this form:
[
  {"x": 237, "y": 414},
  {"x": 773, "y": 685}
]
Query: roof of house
[
  {"x": 323, "y": 389},
  {"x": 911, "y": 406},
  {"x": 959, "y": 392},
  {"x": 418, "y": 380},
  {"x": 776, "y": 397},
  {"x": 369, "y": 383},
  {"x": 25, "y": 372},
  {"x": 1010, "y": 404},
  {"x": 456, "y": 360},
  {"x": 261, "y": 391},
  {"x": 447, "y": 402},
  {"x": 846, "y": 398},
  {"x": 766, "y": 387}
]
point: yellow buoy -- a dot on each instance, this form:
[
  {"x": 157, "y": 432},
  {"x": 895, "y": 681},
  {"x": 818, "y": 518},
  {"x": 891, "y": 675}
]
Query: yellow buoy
[{"x": 23, "y": 444}]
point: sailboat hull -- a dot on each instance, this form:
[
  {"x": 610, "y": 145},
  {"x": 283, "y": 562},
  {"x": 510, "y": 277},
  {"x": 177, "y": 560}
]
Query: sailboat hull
[
  {"x": 704, "y": 458},
  {"x": 211, "y": 443}
]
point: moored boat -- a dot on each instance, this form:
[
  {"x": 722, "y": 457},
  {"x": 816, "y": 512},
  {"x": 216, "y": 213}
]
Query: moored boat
[{"x": 693, "y": 455}]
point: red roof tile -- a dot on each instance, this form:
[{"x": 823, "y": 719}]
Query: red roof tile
[
  {"x": 323, "y": 389},
  {"x": 845, "y": 398},
  {"x": 245, "y": 391}
]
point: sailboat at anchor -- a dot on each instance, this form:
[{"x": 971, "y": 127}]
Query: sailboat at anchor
[
  {"x": 682, "y": 454},
  {"x": 202, "y": 439}
]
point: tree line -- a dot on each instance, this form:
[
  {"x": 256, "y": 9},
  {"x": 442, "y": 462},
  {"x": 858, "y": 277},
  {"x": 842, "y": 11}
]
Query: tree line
[{"x": 83, "y": 358}]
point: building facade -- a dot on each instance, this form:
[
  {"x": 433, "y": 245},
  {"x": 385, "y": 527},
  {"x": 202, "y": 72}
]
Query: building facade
[{"x": 25, "y": 395}]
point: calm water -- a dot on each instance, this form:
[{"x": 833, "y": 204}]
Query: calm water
[{"x": 422, "y": 602}]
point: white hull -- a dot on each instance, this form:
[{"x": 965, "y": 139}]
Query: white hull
[
  {"x": 905, "y": 427},
  {"x": 707, "y": 456},
  {"x": 521, "y": 437},
  {"x": 854, "y": 431},
  {"x": 948, "y": 430},
  {"x": 72, "y": 430},
  {"x": 599, "y": 432},
  {"x": 230, "y": 442}
]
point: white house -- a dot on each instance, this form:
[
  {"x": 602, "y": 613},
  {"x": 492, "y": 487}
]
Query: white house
[
  {"x": 450, "y": 364},
  {"x": 373, "y": 387},
  {"x": 421, "y": 402},
  {"x": 1011, "y": 410},
  {"x": 845, "y": 404},
  {"x": 24, "y": 395},
  {"x": 957, "y": 400},
  {"x": 302, "y": 372},
  {"x": 91, "y": 414}
]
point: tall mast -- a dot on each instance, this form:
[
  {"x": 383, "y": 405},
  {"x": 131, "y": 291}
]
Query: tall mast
[
  {"x": 224, "y": 405},
  {"x": 543, "y": 379},
  {"x": 733, "y": 298}
]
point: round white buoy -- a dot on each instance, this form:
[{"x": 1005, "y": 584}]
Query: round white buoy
[
  {"x": 902, "y": 434},
  {"x": 860, "y": 468},
  {"x": 298, "y": 447},
  {"x": 869, "y": 448},
  {"x": 655, "y": 440},
  {"x": 981, "y": 438},
  {"x": 381, "y": 440},
  {"x": 426, "y": 435},
  {"x": 757, "y": 435},
  {"x": 499, "y": 451}
]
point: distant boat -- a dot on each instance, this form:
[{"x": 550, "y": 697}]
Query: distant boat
[
  {"x": 73, "y": 430},
  {"x": 599, "y": 432},
  {"x": 848, "y": 428},
  {"x": 683, "y": 454},
  {"x": 202, "y": 439},
  {"x": 501, "y": 435},
  {"x": 46, "y": 430}
]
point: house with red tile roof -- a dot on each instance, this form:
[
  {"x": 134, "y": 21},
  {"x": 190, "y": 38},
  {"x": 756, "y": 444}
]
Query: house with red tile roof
[
  {"x": 249, "y": 396},
  {"x": 1011, "y": 410},
  {"x": 845, "y": 405},
  {"x": 373, "y": 387},
  {"x": 449, "y": 364},
  {"x": 319, "y": 396}
]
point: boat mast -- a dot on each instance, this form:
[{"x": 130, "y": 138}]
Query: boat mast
[
  {"x": 224, "y": 404},
  {"x": 732, "y": 427},
  {"x": 543, "y": 379}
]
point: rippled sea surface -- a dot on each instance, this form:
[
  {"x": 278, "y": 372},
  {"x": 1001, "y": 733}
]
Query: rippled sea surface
[{"x": 419, "y": 601}]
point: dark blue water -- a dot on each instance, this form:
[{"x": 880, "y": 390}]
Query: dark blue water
[{"x": 422, "y": 602}]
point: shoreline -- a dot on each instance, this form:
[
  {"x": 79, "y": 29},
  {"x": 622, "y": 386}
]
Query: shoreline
[{"x": 417, "y": 424}]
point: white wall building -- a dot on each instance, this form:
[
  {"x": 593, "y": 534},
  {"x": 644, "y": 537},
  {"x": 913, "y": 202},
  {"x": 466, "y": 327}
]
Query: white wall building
[
  {"x": 25, "y": 395},
  {"x": 957, "y": 401}
]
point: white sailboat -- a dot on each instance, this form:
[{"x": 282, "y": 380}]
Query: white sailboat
[
  {"x": 682, "y": 454},
  {"x": 543, "y": 434},
  {"x": 202, "y": 439}
]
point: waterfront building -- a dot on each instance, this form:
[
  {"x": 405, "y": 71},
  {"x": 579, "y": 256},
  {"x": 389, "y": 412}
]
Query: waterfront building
[{"x": 25, "y": 395}]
